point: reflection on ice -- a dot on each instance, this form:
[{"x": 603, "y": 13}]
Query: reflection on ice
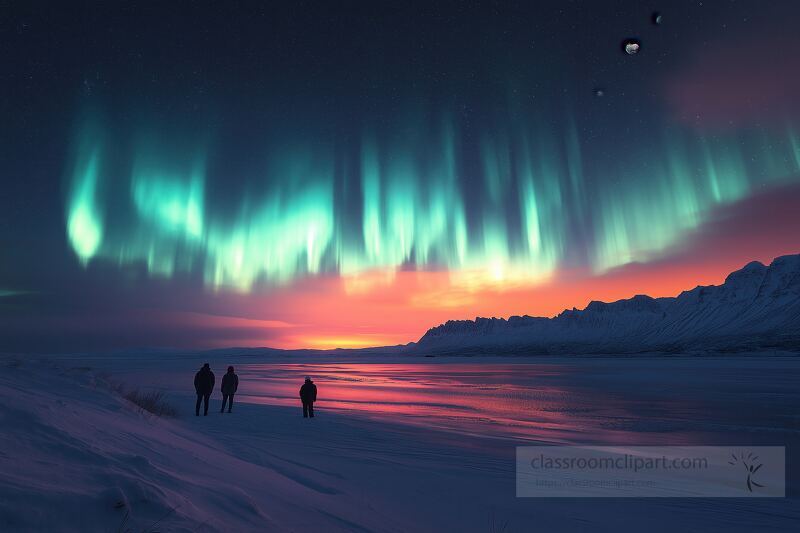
[{"x": 583, "y": 402}]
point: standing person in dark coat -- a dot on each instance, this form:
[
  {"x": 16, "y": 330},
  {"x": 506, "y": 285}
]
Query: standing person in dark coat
[
  {"x": 308, "y": 395},
  {"x": 230, "y": 382},
  {"x": 204, "y": 385}
]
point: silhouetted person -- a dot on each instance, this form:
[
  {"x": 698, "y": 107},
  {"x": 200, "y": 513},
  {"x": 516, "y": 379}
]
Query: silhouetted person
[
  {"x": 204, "y": 385},
  {"x": 308, "y": 395},
  {"x": 230, "y": 382}
]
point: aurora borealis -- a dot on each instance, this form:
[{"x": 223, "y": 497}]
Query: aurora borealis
[
  {"x": 408, "y": 204},
  {"x": 350, "y": 179}
]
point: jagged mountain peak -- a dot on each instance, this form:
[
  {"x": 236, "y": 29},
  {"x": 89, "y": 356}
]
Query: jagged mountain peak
[{"x": 752, "y": 270}]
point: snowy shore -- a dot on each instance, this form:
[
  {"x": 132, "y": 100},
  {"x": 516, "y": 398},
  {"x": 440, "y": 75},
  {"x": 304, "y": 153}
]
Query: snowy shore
[{"x": 76, "y": 456}]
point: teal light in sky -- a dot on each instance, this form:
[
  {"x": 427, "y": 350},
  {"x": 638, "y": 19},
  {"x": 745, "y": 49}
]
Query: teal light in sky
[
  {"x": 170, "y": 203},
  {"x": 84, "y": 221},
  {"x": 11, "y": 292},
  {"x": 639, "y": 217},
  {"x": 519, "y": 200}
]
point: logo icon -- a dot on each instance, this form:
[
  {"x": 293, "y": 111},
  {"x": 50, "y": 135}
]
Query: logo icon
[{"x": 751, "y": 466}]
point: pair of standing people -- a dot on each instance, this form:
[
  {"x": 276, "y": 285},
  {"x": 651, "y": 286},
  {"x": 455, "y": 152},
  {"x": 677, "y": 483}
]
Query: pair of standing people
[{"x": 204, "y": 385}]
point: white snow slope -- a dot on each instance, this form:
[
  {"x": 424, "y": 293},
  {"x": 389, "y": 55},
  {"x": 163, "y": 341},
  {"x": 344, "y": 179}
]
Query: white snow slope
[{"x": 76, "y": 456}]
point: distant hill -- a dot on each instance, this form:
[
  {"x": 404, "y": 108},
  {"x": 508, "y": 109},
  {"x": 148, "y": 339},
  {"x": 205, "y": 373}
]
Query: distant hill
[{"x": 758, "y": 307}]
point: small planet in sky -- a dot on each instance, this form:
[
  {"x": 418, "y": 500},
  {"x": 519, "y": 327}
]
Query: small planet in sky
[
  {"x": 599, "y": 92},
  {"x": 631, "y": 46},
  {"x": 657, "y": 18}
]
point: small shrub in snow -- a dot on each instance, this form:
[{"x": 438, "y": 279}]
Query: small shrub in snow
[{"x": 152, "y": 402}]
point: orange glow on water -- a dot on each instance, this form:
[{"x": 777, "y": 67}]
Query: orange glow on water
[
  {"x": 467, "y": 397},
  {"x": 540, "y": 402}
]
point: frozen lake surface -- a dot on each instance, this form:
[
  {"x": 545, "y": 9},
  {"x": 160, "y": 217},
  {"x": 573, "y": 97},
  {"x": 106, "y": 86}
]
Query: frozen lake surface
[{"x": 583, "y": 401}]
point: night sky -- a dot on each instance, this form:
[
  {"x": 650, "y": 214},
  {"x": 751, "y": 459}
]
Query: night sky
[{"x": 323, "y": 174}]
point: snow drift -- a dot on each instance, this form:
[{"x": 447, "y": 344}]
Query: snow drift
[{"x": 75, "y": 455}]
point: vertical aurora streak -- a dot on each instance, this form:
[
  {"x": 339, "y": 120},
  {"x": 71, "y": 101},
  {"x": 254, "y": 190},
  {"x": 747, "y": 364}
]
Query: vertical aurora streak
[{"x": 84, "y": 221}]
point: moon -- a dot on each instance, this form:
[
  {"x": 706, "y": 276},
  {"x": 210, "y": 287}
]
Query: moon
[{"x": 631, "y": 46}]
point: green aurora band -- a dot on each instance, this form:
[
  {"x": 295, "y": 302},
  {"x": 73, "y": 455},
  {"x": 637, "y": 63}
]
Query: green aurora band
[{"x": 404, "y": 201}]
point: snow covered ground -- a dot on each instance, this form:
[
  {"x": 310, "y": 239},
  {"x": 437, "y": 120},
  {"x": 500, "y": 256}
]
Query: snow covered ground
[{"x": 76, "y": 456}]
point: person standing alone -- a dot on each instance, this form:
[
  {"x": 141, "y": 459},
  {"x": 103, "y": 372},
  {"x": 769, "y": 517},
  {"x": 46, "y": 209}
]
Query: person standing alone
[
  {"x": 308, "y": 395},
  {"x": 204, "y": 386},
  {"x": 230, "y": 382}
]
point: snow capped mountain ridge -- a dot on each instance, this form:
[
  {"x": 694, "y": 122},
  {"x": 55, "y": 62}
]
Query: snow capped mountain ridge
[{"x": 757, "y": 306}]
